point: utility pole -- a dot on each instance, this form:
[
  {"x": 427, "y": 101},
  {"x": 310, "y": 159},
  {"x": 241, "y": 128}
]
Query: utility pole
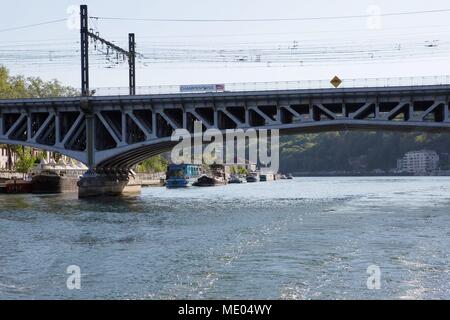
[
  {"x": 84, "y": 42},
  {"x": 132, "y": 64},
  {"x": 87, "y": 34}
]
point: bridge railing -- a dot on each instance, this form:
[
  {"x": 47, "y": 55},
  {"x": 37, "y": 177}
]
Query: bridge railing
[{"x": 285, "y": 85}]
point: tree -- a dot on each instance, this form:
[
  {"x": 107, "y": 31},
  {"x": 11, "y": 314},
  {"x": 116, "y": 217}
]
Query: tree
[
  {"x": 239, "y": 170},
  {"x": 13, "y": 87},
  {"x": 345, "y": 151},
  {"x": 26, "y": 160},
  {"x": 153, "y": 165}
]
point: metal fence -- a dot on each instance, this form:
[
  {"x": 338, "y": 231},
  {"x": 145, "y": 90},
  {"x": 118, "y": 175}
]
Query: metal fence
[
  {"x": 151, "y": 176},
  {"x": 285, "y": 85},
  {"x": 10, "y": 174}
]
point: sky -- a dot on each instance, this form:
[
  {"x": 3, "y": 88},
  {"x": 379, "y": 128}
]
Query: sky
[{"x": 190, "y": 52}]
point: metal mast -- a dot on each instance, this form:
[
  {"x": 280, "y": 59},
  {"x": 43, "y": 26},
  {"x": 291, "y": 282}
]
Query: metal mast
[
  {"x": 84, "y": 41},
  {"x": 87, "y": 34}
]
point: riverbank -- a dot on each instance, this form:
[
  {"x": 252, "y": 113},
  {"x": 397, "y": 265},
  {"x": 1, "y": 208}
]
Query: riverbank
[
  {"x": 365, "y": 174},
  {"x": 56, "y": 184}
]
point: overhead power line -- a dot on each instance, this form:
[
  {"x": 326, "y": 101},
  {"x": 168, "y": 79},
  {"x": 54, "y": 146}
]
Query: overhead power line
[
  {"x": 33, "y": 25},
  {"x": 293, "y": 53},
  {"x": 274, "y": 19}
]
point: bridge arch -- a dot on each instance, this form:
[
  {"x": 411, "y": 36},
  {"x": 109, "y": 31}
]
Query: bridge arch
[
  {"x": 79, "y": 156},
  {"x": 133, "y": 155}
]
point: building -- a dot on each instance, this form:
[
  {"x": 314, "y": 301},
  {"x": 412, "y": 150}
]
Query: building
[
  {"x": 419, "y": 162},
  {"x": 14, "y": 157},
  {"x": 4, "y": 158}
]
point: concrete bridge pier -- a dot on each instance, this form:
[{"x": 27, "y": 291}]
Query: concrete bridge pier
[
  {"x": 100, "y": 182},
  {"x": 97, "y": 184}
]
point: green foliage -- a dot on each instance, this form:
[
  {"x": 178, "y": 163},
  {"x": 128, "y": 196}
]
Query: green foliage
[
  {"x": 240, "y": 170},
  {"x": 12, "y": 87},
  {"x": 350, "y": 151},
  {"x": 40, "y": 156},
  {"x": 153, "y": 165},
  {"x": 26, "y": 160}
]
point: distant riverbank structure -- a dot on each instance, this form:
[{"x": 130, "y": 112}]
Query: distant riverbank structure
[
  {"x": 422, "y": 162},
  {"x": 4, "y": 158},
  {"x": 9, "y": 157}
]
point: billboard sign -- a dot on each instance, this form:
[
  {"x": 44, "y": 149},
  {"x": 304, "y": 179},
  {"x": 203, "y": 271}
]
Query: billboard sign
[{"x": 202, "y": 88}]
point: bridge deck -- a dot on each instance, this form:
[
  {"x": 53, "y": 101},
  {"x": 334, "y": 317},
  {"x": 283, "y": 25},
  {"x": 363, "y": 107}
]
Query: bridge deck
[{"x": 324, "y": 92}]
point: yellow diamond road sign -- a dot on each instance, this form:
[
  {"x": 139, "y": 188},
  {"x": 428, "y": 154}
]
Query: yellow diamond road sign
[{"x": 336, "y": 82}]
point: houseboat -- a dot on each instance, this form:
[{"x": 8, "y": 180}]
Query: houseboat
[
  {"x": 17, "y": 186},
  {"x": 236, "y": 179},
  {"x": 253, "y": 177},
  {"x": 182, "y": 175},
  {"x": 216, "y": 177},
  {"x": 61, "y": 177},
  {"x": 267, "y": 177}
]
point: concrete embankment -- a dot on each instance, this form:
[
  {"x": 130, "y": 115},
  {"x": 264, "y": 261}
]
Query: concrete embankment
[
  {"x": 151, "y": 179},
  {"x": 88, "y": 186},
  {"x": 97, "y": 185},
  {"x": 8, "y": 175}
]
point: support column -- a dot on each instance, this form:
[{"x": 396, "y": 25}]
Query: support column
[
  {"x": 247, "y": 116},
  {"x": 29, "y": 135},
  {"x": 97, "y": 182},
  {"x": 216, "y": 118},
  {"x": 108, "y": 184},
  {"x": 278, "y": 116},
  {"x": 90, "y": 140},
  {"x": 57, "y": 128},
  {"x": 184, "y": 118},
  {"x": 377, "y": 110},
  {"x": 446, "y": 112},
  {"x": 411, "y": 111},
  {"x": 90, "y": 131},
  {"x": 344, "y": 110},
  {"x": 154, "y": 129},
  {"x": 124, "y": 127},
  {"x": 311, "y": 112}
]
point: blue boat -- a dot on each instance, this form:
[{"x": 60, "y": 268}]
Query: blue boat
[{"x": 182, "y": 175}]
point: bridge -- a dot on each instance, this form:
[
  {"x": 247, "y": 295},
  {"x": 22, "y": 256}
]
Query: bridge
[{"x": 114, "y": 133}]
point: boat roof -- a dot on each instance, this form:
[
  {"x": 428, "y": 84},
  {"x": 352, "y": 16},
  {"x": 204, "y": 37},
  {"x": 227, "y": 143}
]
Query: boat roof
[{"x": 182, "y": 165}]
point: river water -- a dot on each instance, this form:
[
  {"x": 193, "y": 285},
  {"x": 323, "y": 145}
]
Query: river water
[{"x": 308, "y": 238}]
